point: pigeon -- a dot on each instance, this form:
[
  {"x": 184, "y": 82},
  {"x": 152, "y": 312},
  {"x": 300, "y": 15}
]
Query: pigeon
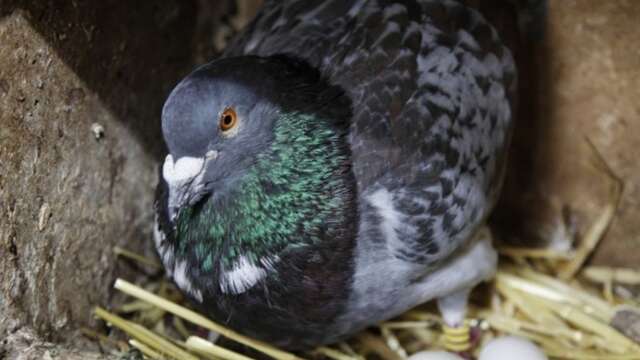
[{"x": 334, "y": 167}]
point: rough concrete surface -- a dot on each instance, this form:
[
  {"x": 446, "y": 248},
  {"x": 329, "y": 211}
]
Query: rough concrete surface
[
  {"x": 81, "y": 88},
  {"x": 24, "y": 344}
]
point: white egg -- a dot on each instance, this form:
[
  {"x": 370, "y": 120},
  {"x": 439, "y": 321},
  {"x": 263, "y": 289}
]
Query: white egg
[
  {"x": 434, "y": 355},
  {"x": 511, "y": 347}
]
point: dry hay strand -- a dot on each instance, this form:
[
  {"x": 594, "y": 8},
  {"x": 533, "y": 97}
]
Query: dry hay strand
[
  {"x": 567, "y": 319},
  {"x": 548, "y": 297}
]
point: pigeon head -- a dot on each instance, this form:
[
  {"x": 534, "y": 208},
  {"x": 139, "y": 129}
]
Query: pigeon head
[
  {"x": 215, "y": 123},
  {"x": 229, "y": 115}
]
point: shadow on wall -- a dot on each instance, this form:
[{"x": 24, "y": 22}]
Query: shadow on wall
[
  {"x": 520, "y": 213},
  {"x": 523, "y": 207},
  {"x": 129, "y": 54}
]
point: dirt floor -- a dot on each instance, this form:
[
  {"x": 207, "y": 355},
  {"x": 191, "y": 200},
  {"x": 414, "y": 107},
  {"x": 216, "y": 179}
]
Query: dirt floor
[{"x": 81, "y": 89}]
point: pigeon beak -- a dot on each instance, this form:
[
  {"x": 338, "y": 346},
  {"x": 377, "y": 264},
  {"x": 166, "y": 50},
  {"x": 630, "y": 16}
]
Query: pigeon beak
[{"x": 184, "y": 179}]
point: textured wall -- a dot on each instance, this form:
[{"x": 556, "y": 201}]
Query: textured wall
[
  {"x": 582, "y": 81},
  {"x": 69, "y": 191},
  {"x": 61, "y": 187}
]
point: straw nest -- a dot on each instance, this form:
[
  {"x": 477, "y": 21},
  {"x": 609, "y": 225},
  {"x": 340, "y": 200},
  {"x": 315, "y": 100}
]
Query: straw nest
[{"x": 570, "y": 310}]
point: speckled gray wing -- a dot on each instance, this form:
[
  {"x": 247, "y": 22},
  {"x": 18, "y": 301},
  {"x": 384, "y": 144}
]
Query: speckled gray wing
[{"x": 432, "y": 91}]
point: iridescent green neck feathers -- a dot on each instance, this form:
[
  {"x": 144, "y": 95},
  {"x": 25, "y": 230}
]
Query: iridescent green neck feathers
[{"x": 287, "y": 200}]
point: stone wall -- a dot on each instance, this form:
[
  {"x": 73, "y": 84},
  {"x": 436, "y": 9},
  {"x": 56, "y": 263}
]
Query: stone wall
[{"x": 81, "y": 89}]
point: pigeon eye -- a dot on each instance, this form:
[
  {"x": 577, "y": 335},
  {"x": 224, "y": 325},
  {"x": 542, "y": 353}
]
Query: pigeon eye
[{"x": 228, "y": 119}]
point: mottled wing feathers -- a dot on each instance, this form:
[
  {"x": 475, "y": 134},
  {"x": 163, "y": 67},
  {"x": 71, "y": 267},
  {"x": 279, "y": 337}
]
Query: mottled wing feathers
[
  {"x": 305, "y": 28},
  {"x": 431, "y": 87},
  {"x": 450, "y": 137}
]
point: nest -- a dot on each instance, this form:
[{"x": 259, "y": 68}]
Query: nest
[{"x": 570, "y": 310}]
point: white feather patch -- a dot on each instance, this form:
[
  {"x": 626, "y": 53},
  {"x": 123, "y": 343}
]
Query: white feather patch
[
  {"x": 392, "y": 219},
  {"x": 158, "y": 236},
  {"x": 165, "y": 250},
  {"x": 243, "y": 276},
  {"x": 183, "y": 282}
]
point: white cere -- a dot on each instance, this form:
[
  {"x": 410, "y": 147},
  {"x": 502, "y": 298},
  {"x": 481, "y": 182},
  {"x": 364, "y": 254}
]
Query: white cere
[{"x": 185, "y": 168}]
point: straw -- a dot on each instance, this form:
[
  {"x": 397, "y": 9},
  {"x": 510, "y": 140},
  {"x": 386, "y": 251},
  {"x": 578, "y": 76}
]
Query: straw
[
  {"x": 568, "y": 317},
  {"x": 597, "y": 229},
  {"x": 144, "y": 335},
  {"x": 200, "y": 320},
  {"x": 147, "y": 351},
  {"x": 602, "y": 274},
  {"x": 333, "y": 354},
  {"x": 203, "y": 346},
  {"x": 136, "y": 257}
]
